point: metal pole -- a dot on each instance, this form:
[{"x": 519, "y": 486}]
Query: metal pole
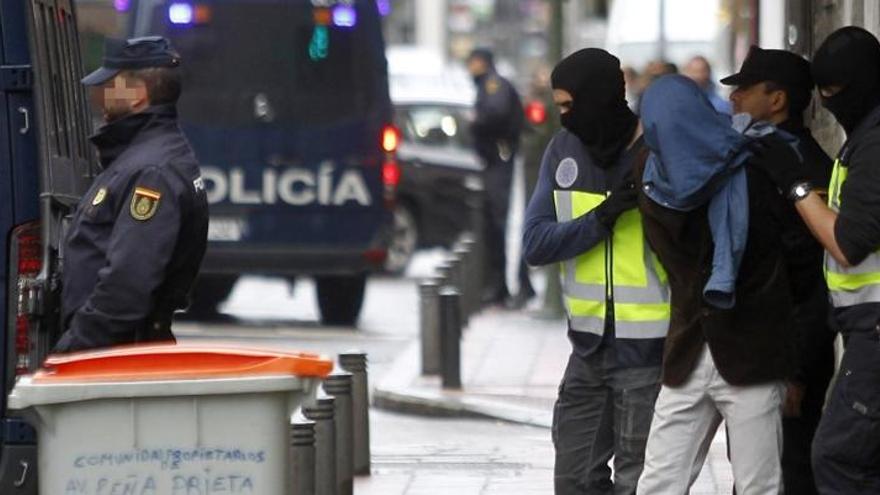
[
  {"x": 661, "y": 38},
  {"x": 338, "y": 385},
  {"x": 430, "y": 326},
  {"x": 302, "y": 442},
  {"x": 475, "y": 200},
  {"x": 321, "y": 412},
  {"x": 450, "y": 343},
  {"x": 557, "y": 31},
  {"x": 467, "y": 290},
  {"x": 356, "y": 364},
  {"x": 472, "y": 276},
  {"x": 444, "y": 272}
]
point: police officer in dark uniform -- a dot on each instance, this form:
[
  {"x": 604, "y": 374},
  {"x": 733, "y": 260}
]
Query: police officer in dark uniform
[
  {"x": 776, "y": 86},
  {"x": 496, "y": 129},
  {"x": 846, "y": 68},
  {"x": 139, "y": 234}
]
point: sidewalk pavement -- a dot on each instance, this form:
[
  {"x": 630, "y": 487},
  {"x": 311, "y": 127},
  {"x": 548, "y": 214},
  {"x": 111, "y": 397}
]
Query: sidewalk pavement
[{"x": 511, "y": 367}]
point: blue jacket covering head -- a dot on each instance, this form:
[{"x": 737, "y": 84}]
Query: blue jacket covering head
[{"x": 697, "y": 158}]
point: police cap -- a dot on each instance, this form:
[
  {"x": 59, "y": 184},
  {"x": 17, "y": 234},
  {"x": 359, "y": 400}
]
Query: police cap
[
  {"x": 777, "y": 66},
  {"x": 133, "y": 54}
]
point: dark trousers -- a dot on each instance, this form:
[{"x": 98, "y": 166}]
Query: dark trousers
[
  {"x": 602, "y": 411},
  {"x": 498, "y": 178},
  {"x": 846, "y": 449},
  {"x": 798, "y": 433}
]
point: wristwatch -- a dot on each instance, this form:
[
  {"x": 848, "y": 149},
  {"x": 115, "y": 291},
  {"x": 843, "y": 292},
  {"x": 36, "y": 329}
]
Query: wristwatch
[{"x": 800, "y": 191}]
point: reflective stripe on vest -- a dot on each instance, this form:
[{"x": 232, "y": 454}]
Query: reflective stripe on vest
[
  {"x": 639, "y": 290},
  {"x": 854, "y": 285}
]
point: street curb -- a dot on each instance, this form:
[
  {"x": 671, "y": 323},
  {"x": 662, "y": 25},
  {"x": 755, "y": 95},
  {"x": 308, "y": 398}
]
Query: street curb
[{"x": 397, "y": 393}]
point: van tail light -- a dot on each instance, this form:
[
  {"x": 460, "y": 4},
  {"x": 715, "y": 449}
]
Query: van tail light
[
  {"x": 390, "y": 167},
  {"x": 390, "y": 139},
  {"x": 27, "y": 262},
  {"x": 536, "y": 112}
]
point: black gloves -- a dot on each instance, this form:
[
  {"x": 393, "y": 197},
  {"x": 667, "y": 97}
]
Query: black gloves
[
  {"x": 624, "y": 197},
  {"x": 779, "y": 161}
]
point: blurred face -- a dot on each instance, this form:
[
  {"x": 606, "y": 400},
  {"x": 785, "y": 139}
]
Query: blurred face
[
  {"x": 563, "y": 100},
  {"x": 122, "y": 96},
  {"x": 698, "y": 71},
  {"x": 477, "y": 66},
  {"x": 760, "y": 103}
]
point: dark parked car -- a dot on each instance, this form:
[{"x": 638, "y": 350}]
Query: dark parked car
[{"x": 438, "y": 167}]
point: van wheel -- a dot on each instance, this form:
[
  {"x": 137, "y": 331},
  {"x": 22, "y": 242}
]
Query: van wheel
[
  {"x": 340, "y": 298},
  {"x": 207, "y": 293},
  {"x": 404, "y": 240}
]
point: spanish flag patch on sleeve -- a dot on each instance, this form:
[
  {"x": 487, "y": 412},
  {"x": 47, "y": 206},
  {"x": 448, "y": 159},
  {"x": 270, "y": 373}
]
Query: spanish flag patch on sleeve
[{"x": 144, "y": 203}]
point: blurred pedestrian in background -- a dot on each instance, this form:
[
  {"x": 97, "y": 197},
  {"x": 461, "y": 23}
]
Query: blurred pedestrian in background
[
  {"x": 498, "y": 122},
  {"x": 775, "y": 86},
  {"x": 700, "y": 72},
  {"x": 616, "y": 295},
  {"x": 633, "y": 87}
]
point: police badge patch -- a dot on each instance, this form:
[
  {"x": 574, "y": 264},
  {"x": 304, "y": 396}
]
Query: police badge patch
[
  {"x": 566, "y": 172},
  {"x": 144, "y": 203},
  {"x": 492, "y": 86}
]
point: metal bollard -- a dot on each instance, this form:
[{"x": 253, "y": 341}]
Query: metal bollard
[
  {"x": 430, "y": 326},
  {"x": 450, "y": 342},
  {"x": 356, "y": 364},
  {"x": 338, "y": 385},
  {"x": 302, "y": 443},
  {"x": 456, "y": 279},
  {"x": 464, "y": 281},
  {"x": 475, "y": 201},
  {"x": 444, "y": 272},
  {"x": 463, "y": 252},
  {"x": 474, "y": 281},
  {"x": 322, "y": 412}
]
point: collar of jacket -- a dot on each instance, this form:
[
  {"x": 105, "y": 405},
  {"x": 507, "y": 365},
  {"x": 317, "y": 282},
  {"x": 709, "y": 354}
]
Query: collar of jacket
[{"x": 113, "y": 138}]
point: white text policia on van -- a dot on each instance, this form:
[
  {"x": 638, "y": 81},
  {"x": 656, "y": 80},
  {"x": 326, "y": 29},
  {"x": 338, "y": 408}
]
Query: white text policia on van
[{"x": 292, "y": 185}]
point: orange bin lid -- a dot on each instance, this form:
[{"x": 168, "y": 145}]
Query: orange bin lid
[{"x": 179, "y": 361}]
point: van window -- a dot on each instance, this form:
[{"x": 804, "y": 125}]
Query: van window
[{"x": 269, "y": 62}]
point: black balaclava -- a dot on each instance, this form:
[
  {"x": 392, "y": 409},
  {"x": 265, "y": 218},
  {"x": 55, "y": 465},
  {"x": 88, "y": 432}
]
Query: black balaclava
[
  {"x": 849, "y": 57},
  {"x": 599, "y": 114}
]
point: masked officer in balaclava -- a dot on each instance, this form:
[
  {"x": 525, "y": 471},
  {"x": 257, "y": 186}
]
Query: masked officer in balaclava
[
  {"x": 846, "y": 68},
  {"x": 617, "y": 300}
]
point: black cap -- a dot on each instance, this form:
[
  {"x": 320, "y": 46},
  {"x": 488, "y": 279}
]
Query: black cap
[
  {"x": 778, "y": 66},
  {"x": 133, "y": 54}
]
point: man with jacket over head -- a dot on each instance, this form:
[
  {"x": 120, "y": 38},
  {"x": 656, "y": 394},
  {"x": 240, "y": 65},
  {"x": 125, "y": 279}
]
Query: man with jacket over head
[
  {"x": 583, "y": 215},
  {"x": 776, "y": 86}
]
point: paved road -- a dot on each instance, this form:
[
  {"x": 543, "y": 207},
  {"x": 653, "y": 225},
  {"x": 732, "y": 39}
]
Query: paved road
[{"x": 412, "y": 455}]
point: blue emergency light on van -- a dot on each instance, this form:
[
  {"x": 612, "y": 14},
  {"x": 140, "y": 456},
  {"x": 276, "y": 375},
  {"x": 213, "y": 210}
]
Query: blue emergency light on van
[
  {"x": 344, "y": 16},
  {"x": 289, "y": 116},
  {"x": 180, "y": 13}
]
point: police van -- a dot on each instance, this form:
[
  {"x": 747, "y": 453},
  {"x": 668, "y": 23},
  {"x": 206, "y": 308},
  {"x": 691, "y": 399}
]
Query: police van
[
  {"x": 46, "y": 164},
  {"x": 286, "y": 105}
]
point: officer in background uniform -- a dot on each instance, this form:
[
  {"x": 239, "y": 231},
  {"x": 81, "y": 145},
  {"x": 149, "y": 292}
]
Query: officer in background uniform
[
  {"x": 775, "y": 86},
  {"x": 496, "y": 129},
  {"x": 139, "y": 234},
  {"x": 846, "y": 68}
]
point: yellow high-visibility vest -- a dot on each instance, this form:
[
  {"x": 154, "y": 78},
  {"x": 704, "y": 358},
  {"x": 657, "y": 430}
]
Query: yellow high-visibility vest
[
  {"x": 854, "y": 285},
  {"x": 622, "y": 269}
]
